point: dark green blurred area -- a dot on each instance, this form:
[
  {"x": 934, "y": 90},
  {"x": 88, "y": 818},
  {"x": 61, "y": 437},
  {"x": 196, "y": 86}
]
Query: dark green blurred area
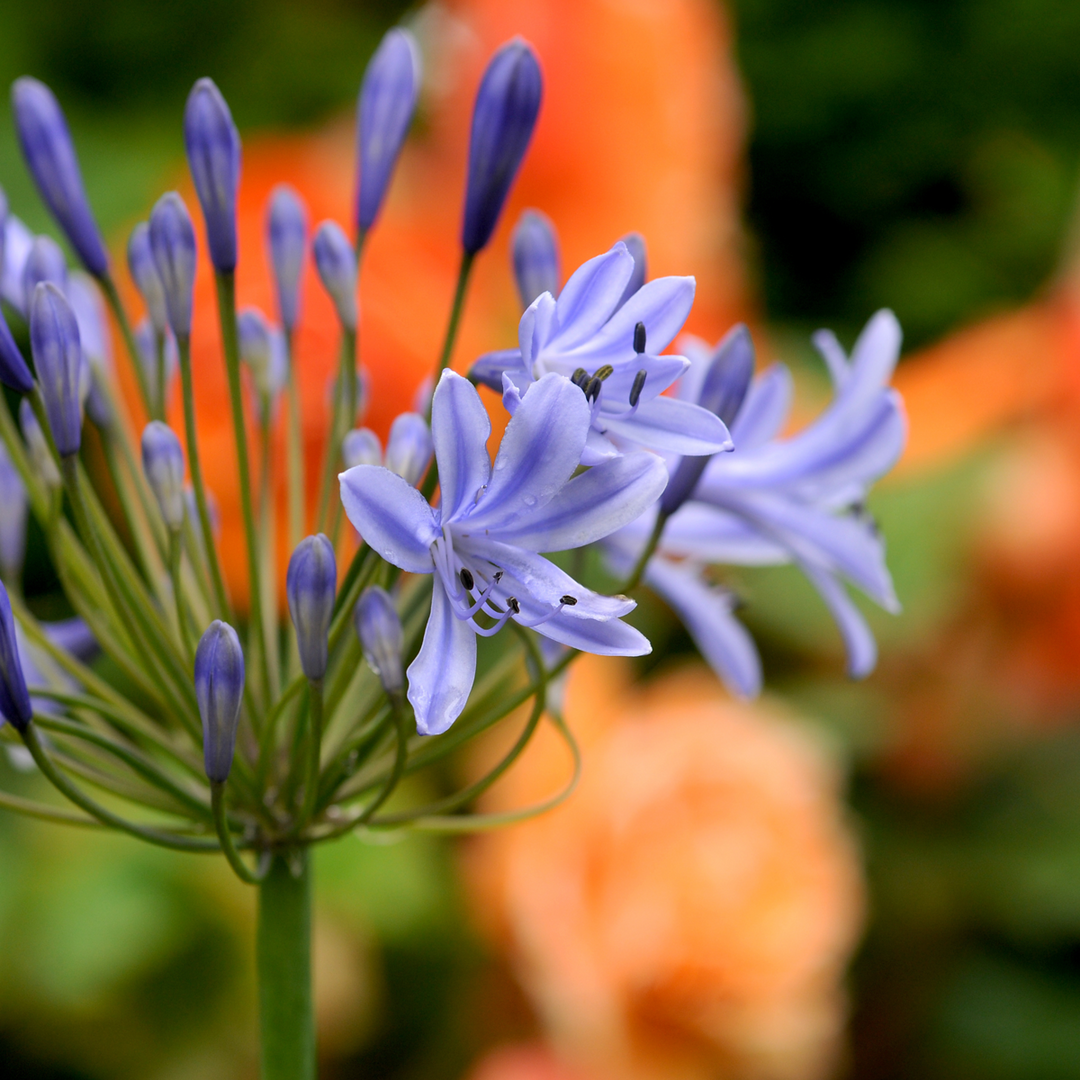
[{"x": 906, "y": 153}]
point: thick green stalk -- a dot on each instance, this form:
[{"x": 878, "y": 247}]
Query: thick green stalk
[{"x": 283, "y": 949}]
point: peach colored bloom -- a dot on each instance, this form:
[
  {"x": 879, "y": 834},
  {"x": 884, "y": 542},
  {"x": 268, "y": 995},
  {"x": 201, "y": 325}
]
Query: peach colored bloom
[{"x": 691, "y": 910}]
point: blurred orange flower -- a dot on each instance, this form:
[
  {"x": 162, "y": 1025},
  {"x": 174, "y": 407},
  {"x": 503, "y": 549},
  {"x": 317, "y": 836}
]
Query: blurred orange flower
[{"x": 691, "y": 910}]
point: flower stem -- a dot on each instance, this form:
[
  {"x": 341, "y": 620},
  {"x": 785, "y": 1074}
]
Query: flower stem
[
  {"x": 108, "y": 287},
  {"x": 297, "y": 508},
  {"x": 634, "y": 580},
  {"x": 315, "y": 724},
  {"x": 283, "y": 949},
  {"x": 221, "y": 823},
  {"x": 455, "y": 315}
]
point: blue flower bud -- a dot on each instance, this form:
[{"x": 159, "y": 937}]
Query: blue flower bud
[
  {"x": 213, "y": 152},
  {"x": 310, "y": 586},
  {"x": 144, "y": 273},
  {"x": 336, "y": 263},
  {"x": 387, "y": 101},
  {"x": 379, "y": 629},
  {"x": 535, "y": 250},
  {"x": 14, "y": 370},
  {"x": 85, "y": 299},
  {"x": 635, "y": 244},
  {"x": 408, "y": 450},
  {"x": 163, "y": 463},
  {"x": 50, "y": 157},
  {"x": 263, "y": 350},
  {"x": 172, "y": 241},
  {"x": 58, "y": 357},
  {"x": 503, "y": 119},
  {"x": 13, "y": 514},
  {"x": 727, "y": 380},
  {"x": 287, "y": 230},
  {"x": 37, "y": 446},
  {"x": 361, "y": 446},
  {"x": 14, "y": 698},
  {"x": 45, "y": 262},
  {"x": 219, "y": 689},
  {"x": 146, "y": 344}
]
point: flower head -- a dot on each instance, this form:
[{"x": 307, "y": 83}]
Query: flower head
[{"x": 483, "y": 544}]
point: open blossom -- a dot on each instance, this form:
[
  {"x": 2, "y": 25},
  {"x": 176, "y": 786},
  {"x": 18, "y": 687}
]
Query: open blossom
[
  {"x": 777, "y": 500},
  {"x": 611, "y": 349},
  {"x": 483, "y": 544}
]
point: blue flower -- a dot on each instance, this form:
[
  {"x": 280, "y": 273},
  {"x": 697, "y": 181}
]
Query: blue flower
[
  {"x": 336, "y": 263},
  {"x": 795, "y": 500},
  {"x": 387, "y": 101},
  {"x": 163, "y": 464},
  {"x": 172, "y": 241},
  {"x": 45, "y": 262},
  {"x": 63, "y": 372},
  {"x": 534, "y": 248},
  {"x": 612, "y": 350},
  {"x": 310, "y": 587},
  {"x": 286, "y": 231},
  {"x": 14, "y": 697},
  {"x": 483, "y": 545},
  {"x": 219, "y": 690},
  {"x": 144, "y": 273}
]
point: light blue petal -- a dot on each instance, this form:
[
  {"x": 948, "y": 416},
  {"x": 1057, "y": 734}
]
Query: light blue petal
[
  {"x": 459, "y": 430},
  {"x": 611, "y": 637},
  {"x": 666, "y": 423},
  {"x": 662, "y": 305},
  {"x": 488, "y": 369},
  {"x": 391, "y": 515},
  {"x": 707, "y": 615},
  {"x": 858, "y": 640},
  {"x": 709, "y": 534},
  {"x": 834, "y": 356},
  {"x": 441, "y": 676},
  {"x": 764, "y": 411},
  {"x": 661, "y": 372},
  {"x": 598, "y": 449},
  {"x": 537, "y": 327},
  {"x": 872, "y": 360},
  {"x": 589, "y": 297}
]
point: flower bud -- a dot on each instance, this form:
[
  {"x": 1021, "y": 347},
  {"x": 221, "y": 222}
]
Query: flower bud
[
  {"x": 144, "y": 273},
  {"x": 361, "y": 446},
  {"x": 4, "y": 208},
  {"x": 287, "y": 230},
  {"x": 38, "y": 446},
  {"x": 310, "y": 586},
  {"x": 14, "y": 370},
  {"x": 263, "y": 350},
  {"x": 50, "y": 157},
  {"x": 727, "y": 380},
  {"x": 13, "y": 513},
  {"x": 45, "y": 262},
  {"x": 387, "y": 101},
  {"x": 219, "y": 689},
  {"x": 213, "y": 152},
  {"x": 14, "y": 698},
  {"x": 535, "y": 249},
  {"x": 172, "y": 241},
  {"x": 163, "y": 463},
  {"x": 336, "y": 263},
  {"x": 408, "y": 450},
  {"x": 503, "y": 119},
  {"x": 635, "y": 244},
  {"x": 146, "y": 344},
  {"x": 58, "y": 357},
  {"x": 379, "y": 629},
  {"x": 85, "y": 299}
]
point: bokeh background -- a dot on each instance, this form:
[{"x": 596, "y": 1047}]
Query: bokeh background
[{"x": 877, "y": 880}]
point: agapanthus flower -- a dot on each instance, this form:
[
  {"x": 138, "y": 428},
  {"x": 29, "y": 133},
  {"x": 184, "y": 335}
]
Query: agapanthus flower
[
  {"x": 483, "y": 543},
  {"x": 785, "y": 500},
  {"x": 612, "y": 351}
]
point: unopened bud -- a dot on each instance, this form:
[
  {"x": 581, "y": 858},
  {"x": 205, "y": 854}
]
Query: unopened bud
[
  {"x": 287, "y": 230},
  {"x": 361, "y": 446},
  {"x": 163, "y": 463},
  {"x": 144, "y": 273},
  {"x": 408, "y": 450},
  {"x": 219, "y": 689},
  {"x": 535, "y": 249},
  {"x": 336, "y": 263},
  {"x": 379, "y": 629},
  {"x": 45, "y": 262},
  {"x": 58, "y": 357},
  {"x": 172, "y": 240},
  {"x": 14, "y": 698},
  {"x": 310, "y": 587}
]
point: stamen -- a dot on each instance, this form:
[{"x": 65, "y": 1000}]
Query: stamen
[
  {"x": 569, "y": 601},
  {"x": 467, "y": 579},
  {"x": 639, "y": 338},
  {"x": 580, "y": 377},
  {"x": 639, "y": 385},
  {"x": 513, "y": 605},
  {"x": 592, "y": 389},
  {"x": 602, "y": 373},
  {"x": 498, "y": 577}
]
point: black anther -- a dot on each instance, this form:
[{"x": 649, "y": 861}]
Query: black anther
[
  {"x": 467, "y": 579},
  {"x": 580, "y": 377},
  {"x": 602, "y": 373},
  {"x": 639, "y": 385},
  {"x": 592, "y": 389},
  {"x": 513, "y": 605},
  {"x": 639, "y": 338},
  {"x": 498, "y": 576},
  {"x": 569, "y": 601}
]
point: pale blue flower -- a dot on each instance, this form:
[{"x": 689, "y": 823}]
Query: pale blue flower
[
  {"x": 786, "y": 500},
  {"x": 483, "y": 544},
  {"x": 612, "y": 351}
]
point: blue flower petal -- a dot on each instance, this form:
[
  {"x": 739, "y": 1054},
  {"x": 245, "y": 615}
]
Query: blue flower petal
[
  {"x": 590, "y": 296},
  {"x": 858, "y": 639},
  {"x": 666, "y": 423},
  {"x": 765, "y": 409},
  {"x": 459, "y": 429}
]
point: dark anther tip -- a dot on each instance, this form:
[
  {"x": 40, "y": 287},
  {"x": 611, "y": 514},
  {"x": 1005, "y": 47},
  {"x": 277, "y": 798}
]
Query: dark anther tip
[
  {"x": 568, "y": 600},
  {"x": 498, "y": 576},
  {"x": 592, "y": 389},
  {"x": 603, "y": 372},
  {"x": 639, "y": 385},
  {"x": 639, "y": 338},
  {"x": 467, "y": 579},
  {"x": 513, "y": 605},
  {"x": 579, "y": 377}
]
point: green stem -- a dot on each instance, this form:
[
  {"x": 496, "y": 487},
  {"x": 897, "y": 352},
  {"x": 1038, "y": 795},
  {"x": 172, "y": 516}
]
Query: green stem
[
  {"x": 315, "y": 718},
  {"x": 455, "y": 315},
  {"x": 108, "y": 287},
  {"x": 226, "y": 297},
  {"x": 159, "y": 362},
  {"x": 175, "y": 549},
  {"x": 221, "y": 823},
  {"x": 634, "y": 580},
  {"x": 283, "y": 951}
]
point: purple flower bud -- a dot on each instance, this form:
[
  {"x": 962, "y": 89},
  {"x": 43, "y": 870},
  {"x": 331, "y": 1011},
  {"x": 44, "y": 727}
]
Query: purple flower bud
[
  {"x": 287, "y": 231},
  {"x": 336, "y": 263},
  {"x": 14, "y": 698},
  {"x": 146, "y": 343},
  {"x": 213, "y": 152},
  {"x": 163, "y": 463},
  {"x": 14, "y": 371},
  {"x": 387, "y": 102},
  {"x": 361, "y": 446},
  {"x": 219, "y": 689},
  {"x": 172, "y": 241},
  {"x": 58, "y": 357},
  {"x": 50, "y": 157},
  {"x": 408, "y": 450},
  {"x": 310, "y": 586},
  {"x": 535, "y": 249},
  {"x": 263, "y": 350},
  {"x": 379, "y": 629},
  {"x": 85, "y": 299},
  {"x": 727, "y": 380},
  {"x": 37, "y": 446},
  {"x": 144, "y": 273},
  {"x": 503, "y": 119},
  {"x": 13, "y": 513},
  {"x": 635, "y": 244},
  {"x": 45, "y": 262}
]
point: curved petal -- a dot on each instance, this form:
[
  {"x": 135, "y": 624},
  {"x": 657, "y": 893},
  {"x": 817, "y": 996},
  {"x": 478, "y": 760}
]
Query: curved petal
[
  {"x": 858, "y": 639},
  {"x": 662, "y": 305},
  {"x": 441, "y": 676},
  {"x": 589, "y": 297},
  {"x": 873, "y": 358},
  {"x": 592, "y": 505},
  {"x": 660, "y": 373},
  {"x": 537, "y": 327},
  {"x": 765, "y": 409},
  {"x": 707, "y": 615},
  {"x": 391, "y": 515},
  {"x": 666, "y": 423},
  {"x": 539, "y": 452},
  {"x": 488, "y": 369},
  {"x": 605, "y": 637},
  {"x": 459, "y": 429},
  {"x": 709, "y": 534},
  {"x": 834, "y": 356},
  {"x": 598, "y": 449}
]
